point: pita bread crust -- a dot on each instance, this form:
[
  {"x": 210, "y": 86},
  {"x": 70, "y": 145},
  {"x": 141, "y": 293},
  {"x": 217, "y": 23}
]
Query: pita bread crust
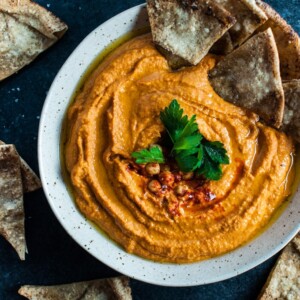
[
  {"x": 283, "y": 282},
  {"x": 30, "y": 180},
  {"x": 35, "y": 16},
  {"x": 199, "y": 24},
  {"x": 248, "y": 15},
  {"x": 291, "y": 115},
  {"x": 112, "y": 288},
  {"x": 120, "y": 287},
  {"x": 249, "y": 77},
  {"x": 288, "y": 42},
  {"x": 11, "y": 199},
  {"x": 26, "y": 30}
]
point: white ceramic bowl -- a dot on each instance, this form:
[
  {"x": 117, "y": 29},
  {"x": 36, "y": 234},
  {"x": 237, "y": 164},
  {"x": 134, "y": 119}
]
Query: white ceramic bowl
[{"x": 61, "y": 202}]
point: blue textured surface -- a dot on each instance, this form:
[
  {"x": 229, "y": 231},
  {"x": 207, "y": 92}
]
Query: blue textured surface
[{"x": 54, "y": 258}]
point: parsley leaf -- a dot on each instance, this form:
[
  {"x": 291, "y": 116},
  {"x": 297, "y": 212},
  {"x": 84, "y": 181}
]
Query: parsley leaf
[
  {"x": 173, "y": 120},
  {"x": 191, "y": 127},
  {"x": 209, "y": 168},
  {"x": 190, "y": 159},
  {"x": 200, "y": 155},
  {"x": 216, "y": 152},
  {"x": 186, "y": 163},
  {"x": 153, "y": 155},
  {"x": 178, "y": 126},
  {"x": 187, "y": 142}
]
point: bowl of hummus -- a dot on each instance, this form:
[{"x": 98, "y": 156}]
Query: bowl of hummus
[{"x": 154, "y": 222}]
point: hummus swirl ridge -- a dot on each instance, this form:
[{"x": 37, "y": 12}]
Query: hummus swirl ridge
[{"x": 117, "y": 112}]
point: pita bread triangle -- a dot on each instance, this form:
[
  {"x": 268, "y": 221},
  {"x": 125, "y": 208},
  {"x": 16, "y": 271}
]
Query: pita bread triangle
[
  {"x": 283, "y": 281},
  {"x": 26, "y": 30},
  {"x": 291, "y": 115},
  {"x": 30, "y": 180},
  {"x": 188, "y": 28},
  {"x": 248, "y": 15},
  {"x": 11, "y": 199},
  {"x": 249, "y": 77},
  {"x": 287, "y": 40},
  {"x": 112, "y": 288}
]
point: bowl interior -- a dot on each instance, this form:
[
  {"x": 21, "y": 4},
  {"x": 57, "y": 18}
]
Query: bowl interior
[{"x": 84, "y": 233}]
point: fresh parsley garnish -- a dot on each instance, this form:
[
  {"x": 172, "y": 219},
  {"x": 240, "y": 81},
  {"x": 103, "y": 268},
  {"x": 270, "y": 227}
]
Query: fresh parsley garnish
[
  {"x": 153, "y": 155},
  {"x": 190, "y": 149},
  {"x": 177, "y": 125},
  {"x": 212, "y": 156}
]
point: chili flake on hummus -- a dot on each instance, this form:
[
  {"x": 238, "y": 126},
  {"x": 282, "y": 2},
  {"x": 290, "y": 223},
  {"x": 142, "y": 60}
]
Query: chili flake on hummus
[{"x": 118, "y": 112}]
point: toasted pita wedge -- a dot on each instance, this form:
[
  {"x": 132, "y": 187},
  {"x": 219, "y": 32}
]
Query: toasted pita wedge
[
  {"x": 249, "y": 77},
  {"x": 287, "y": 40},
  {"x": 248, "y": 15},
  {"x": 26, "y": 30},
  {"x": 283, "y": 282},
  {"x": 187, "y": 29},
  {"x": 30, "y": 180},
  {"x": 112, "y": 288},
  {"x": 291, "y": 115},
  {"x": 11, "y": 199}
]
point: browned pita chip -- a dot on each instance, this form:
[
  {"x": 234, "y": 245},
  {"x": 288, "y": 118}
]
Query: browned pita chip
[
  {"x": 11, "y": 199},
  {"x": 288, "y": 42},
  {"x": 283, "y": 282},
  {"x": 291, "y": 115},
  {"x": 188, "y": 28},
  {"x": 249, "y": 77},
  {"x": 26, "y": 30},
  {"x": 29, "y": 179},
  {"x": 112, "y": 288},
  {"x": 248, "y": 15}
]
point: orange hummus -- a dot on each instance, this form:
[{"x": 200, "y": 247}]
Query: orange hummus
[{"x": 117, "y": 112}]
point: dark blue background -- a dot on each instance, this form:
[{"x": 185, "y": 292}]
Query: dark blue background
[{"x": 54, "y": 258}]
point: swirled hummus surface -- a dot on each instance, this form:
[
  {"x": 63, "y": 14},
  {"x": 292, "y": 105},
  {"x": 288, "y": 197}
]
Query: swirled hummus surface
[{"x": 117, "y": 112}]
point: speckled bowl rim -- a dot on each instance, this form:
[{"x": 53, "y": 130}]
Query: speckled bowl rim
[{"x": 86, "y": 235}]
